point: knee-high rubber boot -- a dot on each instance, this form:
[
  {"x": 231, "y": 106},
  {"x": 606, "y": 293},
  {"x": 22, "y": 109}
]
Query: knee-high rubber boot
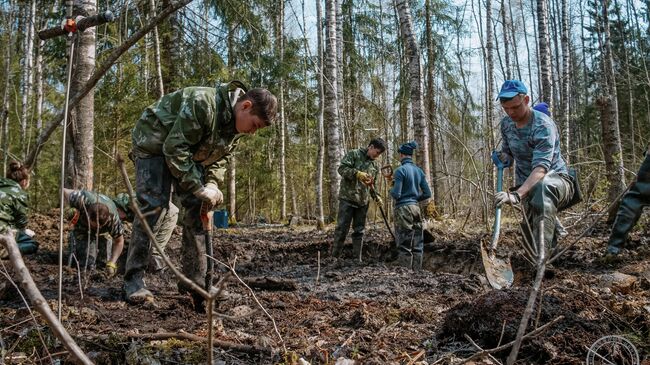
[{"x": 357, "y": 249}]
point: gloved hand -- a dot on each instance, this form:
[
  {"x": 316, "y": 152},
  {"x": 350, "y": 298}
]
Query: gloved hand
[
  {"x": 111, "y": 269},
  {"x": 210, "y": 193},
  {"x": 30, "y": 233},
  {"x": 504, "y": 157},
  {"x": 364, "y": 177},
  {"x": 504, "y": 197}
]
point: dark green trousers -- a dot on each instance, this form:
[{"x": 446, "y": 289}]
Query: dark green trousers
[
  {"x": 542, "y": 203},
  {"x": 409, "y": 236},
  {"x": 349, "y": 214},
  {"x": 631, "y": 208}
]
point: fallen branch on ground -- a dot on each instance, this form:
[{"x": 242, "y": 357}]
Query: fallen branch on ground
[
  {"x": 249, "y": 349},
  {"x": 38, "y": 301}
]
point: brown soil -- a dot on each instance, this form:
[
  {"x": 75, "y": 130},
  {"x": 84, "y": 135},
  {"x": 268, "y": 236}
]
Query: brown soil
[{"x": 371, "y": 312}]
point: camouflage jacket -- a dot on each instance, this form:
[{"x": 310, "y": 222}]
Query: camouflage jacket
[
  {"x": 80, "y": 199},
  {"x": 537, "y": 144},
  {"x": 13, "y": 205},
  {"x": 194, "y": 128},
  {"x": 353, "y": 190}
]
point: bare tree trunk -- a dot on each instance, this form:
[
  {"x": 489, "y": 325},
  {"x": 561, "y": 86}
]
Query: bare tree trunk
[
  {"x": 331, "y": 111},
  {"x": 608, "y": 104},
  {"x": 415, "y": 85},
  {"x": 279, "y": 39},
  {"x": 544, "y": 52},
  {"x": 565, "y": 112},
  {"x": 170, "y": 56},
  {"x": 160, "y": 86},
  {"x": 431, "y": 105},
  {"x": 530, "y": 67},
  {"x": 340, "y": 92},
  {"x": 39, "y": 86},
  {"x": 489, "y": 88},
  {"x": 320, "y": 160},
  {"x": 28, "y": 75},
  {"x": 4, "y": 117},
  {"x": 81, "y": 121},
  {"x": 506, "y": 45}
]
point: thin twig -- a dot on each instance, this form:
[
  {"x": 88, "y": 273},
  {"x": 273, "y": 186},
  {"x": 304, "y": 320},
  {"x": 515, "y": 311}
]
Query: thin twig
[
  {"x": 251, "y": 349},
  {"x": 479, "y": 347},
  {"x": 234, "y": 273},
  {"x": 509, "y": 344},
  {"x": 318, "y": 269}
]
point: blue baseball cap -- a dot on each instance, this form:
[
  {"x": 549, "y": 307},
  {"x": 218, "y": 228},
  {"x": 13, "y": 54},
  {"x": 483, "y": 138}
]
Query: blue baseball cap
[
  {"x": 512, "y": 88},
  {"x": 542, "y": 107}
]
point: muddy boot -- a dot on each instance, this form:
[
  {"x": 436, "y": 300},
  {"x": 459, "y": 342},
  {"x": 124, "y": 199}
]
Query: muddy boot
[
  {"x": 337, "y": 249},
  {"x": 199, "y": 302},
  {"x": 417, "y": 261},
  {"x": 134, "y": 289},
  {"x": 404, "y": 260},
  {"x": 357, "y": 250}
]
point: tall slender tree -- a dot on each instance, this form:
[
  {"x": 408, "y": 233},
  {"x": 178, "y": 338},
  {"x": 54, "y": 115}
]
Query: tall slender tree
[
  {"x": 415, "y": 86},
  {"x": 544, "y": 53}
]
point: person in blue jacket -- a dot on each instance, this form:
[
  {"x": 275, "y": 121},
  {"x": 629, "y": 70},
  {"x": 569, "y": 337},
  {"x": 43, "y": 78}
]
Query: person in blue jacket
[{"x": 409, "y": 188}]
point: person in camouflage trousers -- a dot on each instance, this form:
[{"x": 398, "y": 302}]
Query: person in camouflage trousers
[
  {"x": 162, "y": 230},
  {"x": 544, "y": 185},
  {"x": 410, "y": 187},
  {"x": 632, "y": 204},
  {"x": 185, "y": 139},
  {"x": 359, "y": 171},
  {"x": 97, "y": 237},
  {"x": 13, "y": 209}
]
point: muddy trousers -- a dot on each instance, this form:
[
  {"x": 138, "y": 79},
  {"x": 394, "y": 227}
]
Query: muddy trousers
[
  {"x": 350, "y": 214},
  {"x": 153, "y": 190},
  {"x": 409, "y": 236},
  {"x": 631, "y": 208},
  {"x": 542, "y": 203},
  {"x": 88, "y": 250}
]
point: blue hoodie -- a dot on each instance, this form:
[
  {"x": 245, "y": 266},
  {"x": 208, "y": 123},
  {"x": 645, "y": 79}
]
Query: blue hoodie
[{"x": 410, "y": 186}]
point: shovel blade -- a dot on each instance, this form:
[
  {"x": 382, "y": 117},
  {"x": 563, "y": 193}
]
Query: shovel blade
[{"x": 498, "y": 270}]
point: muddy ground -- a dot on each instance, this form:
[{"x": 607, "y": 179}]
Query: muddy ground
[{"x": 372, "y": 312}]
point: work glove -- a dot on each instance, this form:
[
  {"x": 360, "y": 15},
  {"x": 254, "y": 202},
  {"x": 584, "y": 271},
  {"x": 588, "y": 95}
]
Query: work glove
[
  {"x": 210, "y": 193},
  {"x": 504, "y": 197},
  {"x": 111, "y": 269},
  {"x": 505, "y": 158},
  {"x": 30, "y": 233},
  {"x": 364, "y": 177}
]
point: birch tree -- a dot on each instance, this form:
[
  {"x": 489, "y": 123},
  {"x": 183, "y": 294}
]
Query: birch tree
[
  {"x": 544, "y": 53},
  {"x": 331, "y": 110},
  {"x": 279, "y": 39},
  {"x": 431, "y": 103},
  {"x": 28, "y": 76},
  {"x": 564, "y": 115},
  {"x": 320, "y": 159},
  {"x": 415, "y": 85}
]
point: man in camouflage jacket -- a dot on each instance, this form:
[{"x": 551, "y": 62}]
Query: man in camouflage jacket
[
  {"x": 13, "y": 215},
  {"x": 359, "y": 171},
  {"x": 94, "y": 242},
  {"x": 544, "y": 185},
  {"x": 185, "y": 139}
]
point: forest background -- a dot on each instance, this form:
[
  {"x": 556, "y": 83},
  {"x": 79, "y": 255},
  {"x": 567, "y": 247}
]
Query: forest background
[{"x": 344, "y": 71}]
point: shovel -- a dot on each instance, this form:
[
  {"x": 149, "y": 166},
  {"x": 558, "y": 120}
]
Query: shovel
[
  {"x": 497, "y": 270},
  {"x": 206, "y": 221}
]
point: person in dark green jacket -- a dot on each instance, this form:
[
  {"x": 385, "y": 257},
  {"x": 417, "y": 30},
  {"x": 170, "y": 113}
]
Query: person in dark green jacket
[
  {"x": 185, "y": 139},
  {"x": 631, "y": 208},
  {"x": 13, "y": 208},
  {"x": 359, "y": 171}
]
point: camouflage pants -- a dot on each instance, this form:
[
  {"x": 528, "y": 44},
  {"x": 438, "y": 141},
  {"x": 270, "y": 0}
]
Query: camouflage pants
[
  {"x": 542, "y": 203},
  {"x": 631, "y": 208},
  {"x": 163, "y": 232},
  {"x": 89, "y": 250},
  {"x": 349, "y": 214},
  {"x": 153, "y": 189},
  {"x": 409, "y": 236}
]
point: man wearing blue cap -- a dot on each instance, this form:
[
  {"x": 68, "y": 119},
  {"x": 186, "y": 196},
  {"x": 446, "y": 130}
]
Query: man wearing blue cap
[
  {"x": 409, "y": 188},
  {"x": 544, "y": 185},
  {"x": 359, "y": 171}
]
